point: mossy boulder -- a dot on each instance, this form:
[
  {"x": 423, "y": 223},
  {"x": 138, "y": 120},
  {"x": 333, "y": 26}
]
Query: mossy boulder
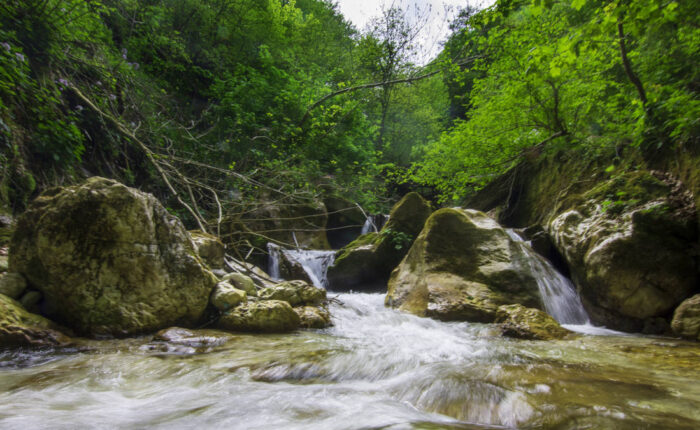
[
  {"x": 367, "y": 262},
  {"x": 521, "y": 322},
  {"x": 686, "y": 319},
  {"x": 462, "y": 267},
  {"x": 627, "y": 243},
  {"x": 18, "y": 327},
  {"x": 209, "y": 248},
  {"x": 225, "y": 296},
  {"x": 296, "y": 293},
  {"x": 110, "y": 260},
  {"x": 12, "y": 285},
  {"x": 265, "y": 316},
  {"x": 242, "y": 282}
]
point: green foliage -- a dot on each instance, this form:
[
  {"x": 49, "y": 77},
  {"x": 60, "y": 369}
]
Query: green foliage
[
  {"x": 553, "y": 78},
  {"x": 398, "y": 239}
]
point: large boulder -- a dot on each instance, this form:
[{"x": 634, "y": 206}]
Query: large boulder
[
  {"x": 520, "y": 322},
  {"x": 269, "y": 316},
  {"x": 21, "y": 328},
  {"x": 367, "y": 262},
  {"x": 110, "y": 260},
  {"x": 462, "y": 267},
  {"x": 686, "y": 319},
  {"x": 627, "y": 243}
]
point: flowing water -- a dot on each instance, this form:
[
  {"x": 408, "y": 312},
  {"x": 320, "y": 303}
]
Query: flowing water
[
  {"x": 314, "y": 262},
  {"x": 376, "y": 368},
  {"x": 558, "y": 293}
]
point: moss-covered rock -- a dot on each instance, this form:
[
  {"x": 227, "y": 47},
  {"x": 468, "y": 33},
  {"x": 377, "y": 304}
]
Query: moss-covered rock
[
  {"x": 627, "y": 243},
  {"x": 110, "y": 260},
  {"x": 12, "y": 285},
  {"x": 209, "y": 248},
  {"x": 296, "y": 293},
  {"x": 521, "y": 322},
  {"x": 313, "y": 316},
  {"x": 225, "y": 296},
  {"x": 462, "y": 267},
  {"x": 242, "y": 282},
  {"x": 686, "y": 319},
  {"x": 21, "y": 328},
  {"x": 367, "y": 262},
  {"x": 267, "y": 316}
]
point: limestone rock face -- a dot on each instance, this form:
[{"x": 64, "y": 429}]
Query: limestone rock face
[
  {"x": 367, "y": 262},
  {"x": 110, "y": 260},
  {"x": 629, "y": 256},
  {"x": 462, "y": 267},
  {"x": 268, "y": 316},
  {"x": 209, "y": 248},
  {"x": 21, "y": 328},
  {"x": 686, "y": 319},
  {"x": 527, "y": 323}
]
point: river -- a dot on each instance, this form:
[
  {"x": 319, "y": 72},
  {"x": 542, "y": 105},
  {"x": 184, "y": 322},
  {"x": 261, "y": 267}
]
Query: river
[{"x": 376, "y": 368}]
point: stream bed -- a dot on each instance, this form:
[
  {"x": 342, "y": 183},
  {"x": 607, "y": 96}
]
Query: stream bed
[{"x": 376, "y": 368}]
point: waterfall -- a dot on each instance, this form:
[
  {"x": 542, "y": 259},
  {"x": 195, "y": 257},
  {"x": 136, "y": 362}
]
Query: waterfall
[
  {"x": 374, "y": 223},
  {"x": 315, "y": 263},
  {"x": 273, "y": 262},
  {"x": 558, "y": 293},
  {"x": 368, "y": 226}
]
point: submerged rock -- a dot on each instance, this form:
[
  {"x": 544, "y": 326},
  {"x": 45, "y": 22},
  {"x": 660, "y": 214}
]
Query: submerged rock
[
  {"x": 12, "y": 285},
  {"x": 367, "y": 262},
  {"x": 18, "y": 327},
  {"x": 268, "y": 316},
  {"x": 194, "y": 339},
  {"x": 686, "y": 319},
  {"x": 209, "y": 248},
  {"x": 110, "y": 260},
  {"x": 462, "y": 267},
  {"x": 527, "y": 323},
  {"x": 627, "y": 243}
]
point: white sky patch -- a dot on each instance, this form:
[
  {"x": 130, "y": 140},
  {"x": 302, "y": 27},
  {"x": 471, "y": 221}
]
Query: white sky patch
[{"x": 436, "y": 30}]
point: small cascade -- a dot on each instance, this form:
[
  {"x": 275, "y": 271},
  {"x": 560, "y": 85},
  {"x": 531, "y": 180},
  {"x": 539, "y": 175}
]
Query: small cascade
[
  {"x": 315, "y": 263},
  {"x": 273, "y": 261},
  {"x": 558, "y": 293},
  {"x": 374, "y": 223}
]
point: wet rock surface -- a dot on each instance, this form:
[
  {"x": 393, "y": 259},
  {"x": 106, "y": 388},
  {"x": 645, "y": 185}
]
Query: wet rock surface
[
  {"x": 462, "y": 267},
  {"x": 367, "y": 262}
]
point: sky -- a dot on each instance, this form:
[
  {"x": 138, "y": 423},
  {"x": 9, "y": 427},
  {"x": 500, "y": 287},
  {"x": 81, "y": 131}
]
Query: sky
[{"x": 436, "y": 30}]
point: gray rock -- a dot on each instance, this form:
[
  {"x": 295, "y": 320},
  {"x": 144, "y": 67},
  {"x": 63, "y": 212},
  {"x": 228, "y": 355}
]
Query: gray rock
[{"x": 226, "y": 296}]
